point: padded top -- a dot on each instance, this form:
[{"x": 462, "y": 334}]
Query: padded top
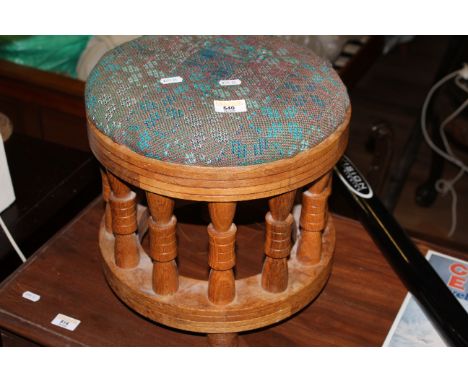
[{"x": 157, "y": 96}]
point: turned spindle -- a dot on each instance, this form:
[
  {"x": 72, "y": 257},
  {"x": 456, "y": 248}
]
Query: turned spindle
[
  {"x": 221, "y": 258},
  {"x": 106, "y": 192},
  {"x": 278, "y": 224},
  {"x": 313, "y": 220},
  {"x": 124, "y": 223},
  {"x": 163, "y": 244}
]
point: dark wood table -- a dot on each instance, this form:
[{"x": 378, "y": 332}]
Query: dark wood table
[
  {"x": 356, "y": 308},
  {"x": 52, "y": 185}
]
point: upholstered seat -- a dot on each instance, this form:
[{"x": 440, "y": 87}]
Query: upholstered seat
[{"x": 293, "y": 99}]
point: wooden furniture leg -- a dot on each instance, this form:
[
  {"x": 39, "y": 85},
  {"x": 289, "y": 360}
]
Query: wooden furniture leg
[
  {"x": 313, "y": 220},
  {"x": 163, "y": 245},
  {"x": 278, "y": 223},
  {"x": 222, "y": 236},
  {"x": 221, "y": 259},
  {"x": 106, "y": 192},
  {"x": 124, "y": 223}
]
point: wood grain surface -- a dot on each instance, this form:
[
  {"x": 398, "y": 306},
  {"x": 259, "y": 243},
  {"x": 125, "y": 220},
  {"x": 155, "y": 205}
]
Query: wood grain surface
[{"x": 356, "y": 308}]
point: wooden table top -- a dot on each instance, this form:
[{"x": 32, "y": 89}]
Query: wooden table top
[
  {"x": 356, "y": 308},
  {"x": 50, "y": 190}
]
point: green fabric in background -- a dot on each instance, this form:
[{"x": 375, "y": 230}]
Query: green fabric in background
[{"x": 58, "y": 54}]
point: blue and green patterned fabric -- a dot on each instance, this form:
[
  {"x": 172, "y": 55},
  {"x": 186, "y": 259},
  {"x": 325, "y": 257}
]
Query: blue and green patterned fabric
[{"x": 293, "y": 98}]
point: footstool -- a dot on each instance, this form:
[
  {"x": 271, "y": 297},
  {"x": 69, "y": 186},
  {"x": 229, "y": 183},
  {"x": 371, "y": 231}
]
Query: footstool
[{"x": 219, "y": 120}]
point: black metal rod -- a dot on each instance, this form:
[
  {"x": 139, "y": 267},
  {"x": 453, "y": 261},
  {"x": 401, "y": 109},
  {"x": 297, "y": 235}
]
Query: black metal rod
[{"x": 441, "y": 306}]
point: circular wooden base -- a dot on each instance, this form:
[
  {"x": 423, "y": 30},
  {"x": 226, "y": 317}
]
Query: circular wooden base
[{"x": 189, "y": 308}]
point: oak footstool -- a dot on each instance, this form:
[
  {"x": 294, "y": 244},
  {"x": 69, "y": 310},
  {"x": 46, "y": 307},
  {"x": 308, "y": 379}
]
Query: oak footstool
[{"x": 219, "y": 120}]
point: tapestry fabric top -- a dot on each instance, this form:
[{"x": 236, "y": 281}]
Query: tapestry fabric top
[{"x": 215, "y": 101}]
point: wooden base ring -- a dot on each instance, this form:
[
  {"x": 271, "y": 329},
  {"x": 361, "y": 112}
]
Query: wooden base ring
[{"x": 190, "y": 309}]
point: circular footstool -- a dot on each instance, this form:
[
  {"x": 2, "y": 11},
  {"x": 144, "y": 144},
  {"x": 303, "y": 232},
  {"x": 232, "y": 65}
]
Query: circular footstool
[{"x": 219, "y": 120}]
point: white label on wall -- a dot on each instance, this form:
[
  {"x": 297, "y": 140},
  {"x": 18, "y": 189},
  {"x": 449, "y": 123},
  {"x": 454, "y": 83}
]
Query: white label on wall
[
  {"x": 171, "y": 80},
  {"x": 31, "y": 296},
  {"x": 65, "y": 322},
  {"x": 232, "y": 106},
  {"x": 230, "y": 82}
]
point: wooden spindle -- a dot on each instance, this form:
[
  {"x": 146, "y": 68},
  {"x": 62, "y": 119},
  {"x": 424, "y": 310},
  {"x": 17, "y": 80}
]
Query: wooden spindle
[
  {"x": 221, "y": 258},
  {"x": 106, "y": 192},
  {"x": 124, "y": 223},
  {"x": 313, "y": 220},
  {"x": 278, "y": 222},
  {"x": 163, "y": 244}
]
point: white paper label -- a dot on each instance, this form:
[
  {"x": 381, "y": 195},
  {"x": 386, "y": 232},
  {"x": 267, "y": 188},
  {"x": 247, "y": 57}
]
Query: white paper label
[
  {"x": 171, "y": 80},
  {"x": 65, "y": 322},
  {"x": 31, "y": 296},
  {"x": 230, "y": 82},
  {"x": 232, "y": 106}
]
